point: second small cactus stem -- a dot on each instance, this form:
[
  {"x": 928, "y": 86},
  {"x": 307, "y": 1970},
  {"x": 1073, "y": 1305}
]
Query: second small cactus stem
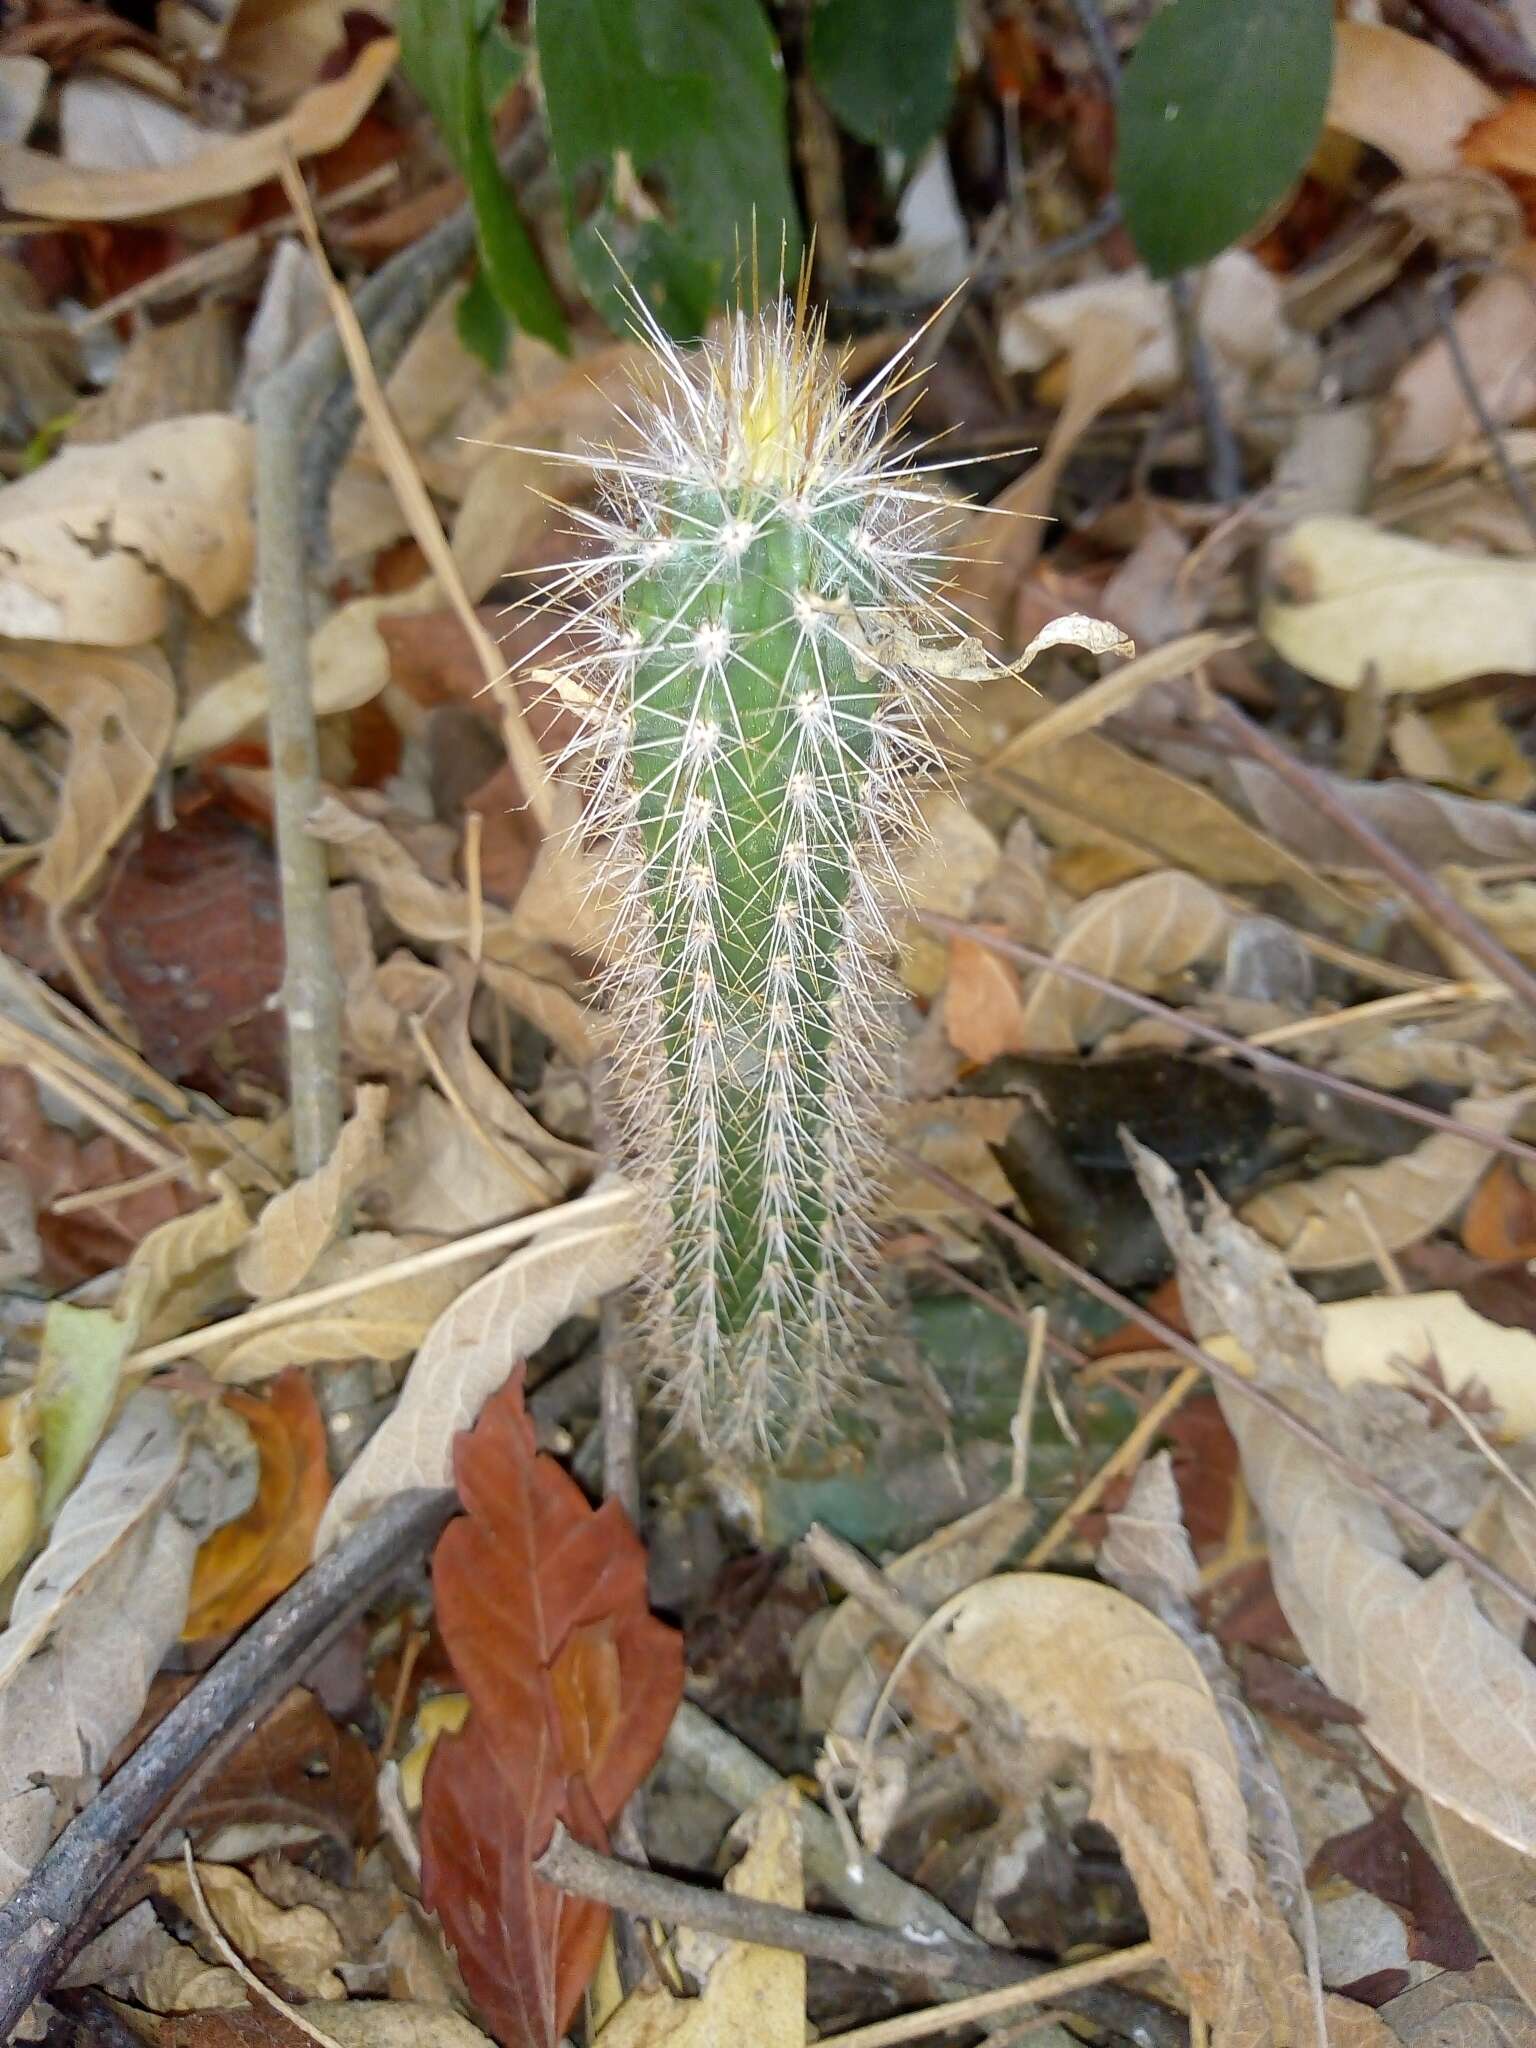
[{"x": 754, "y": 738}]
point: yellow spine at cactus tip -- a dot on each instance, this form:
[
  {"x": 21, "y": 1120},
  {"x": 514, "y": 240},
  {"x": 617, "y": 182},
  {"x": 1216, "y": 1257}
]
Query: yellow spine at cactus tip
[{"x": 749, "y": 635}]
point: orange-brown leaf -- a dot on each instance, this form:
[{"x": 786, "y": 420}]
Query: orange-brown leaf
[
  {"x": 1500, "y": 1219},
  {"x": 572, "y": 1683},
  {"x": 245, "y": 1565}
]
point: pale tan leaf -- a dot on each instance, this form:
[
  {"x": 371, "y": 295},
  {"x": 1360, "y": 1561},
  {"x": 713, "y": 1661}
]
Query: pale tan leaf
[
  {"x": 475, "y": 1343},
  {"x": 348, "y": 667},
  {"x": 1146, "y": 1545},
  {"x": 96, "y": 1611},
  {"x": 320, "y": 119},
  {"x": 295, "y": 1227},
  {"x": 89, "y": 541},
  {"x": 1350, "y": 601},
  {"x": 1404, "y": 96},
  {"x": 1081, "y": 1663},
  {"x": 383, "y": 1322},
  {"x": 1460, "y": 2009},
  {"x": 1447, "y": 1700},
  {"x": 957, "y": 1133},
  {"x": 1318, "y": 1226},
  {"x": 1382, "y": 1340},
  {"x": 154, "y": 1283},
  {"x": 549, "y": 1162},
  {"x": 746, "y": 1994},
  {"x": 1141, "y": 933},
  {"x": 381, "y": 998},
  {"x": 1497, "y": 1889},
  {"x": 394, "y": 2023},
  {"x": 297, "y": 1943},
  {"x": 942, "y": 868},
  {"x": 546, "y": 1004},
  {"x": 1426, "y": 411},
  {"x": 445, "y": 1175},
  {"x": 118, "y": 710}
]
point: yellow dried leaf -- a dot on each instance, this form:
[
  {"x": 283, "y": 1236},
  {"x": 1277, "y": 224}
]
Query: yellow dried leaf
[
  {"x": 19, "y": 1480},
  {"x": 297, "y": 1943}
]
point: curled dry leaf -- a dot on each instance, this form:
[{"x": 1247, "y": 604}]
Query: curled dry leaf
[
  {"x": 320, "y": 119},
  {"x": 118, "y": 710},
  {"x": 297, "y": 1943},
  {"x": 1447, "y": 1700},
  {"x": 475, "y": 1343},
  {"x": 89, "y": 541},
  {"x": 572, "y": 1685},
  {"x": 243, "y": 1566},
  {"x": 99, "y": 1607},
  {"x": 746, "y": 1994},
  {"x": 1337, "y": 1220},
  {"x": 1141, "y": 933},
  {"x": 1083, "y": 1664},
  {"x": 1351, "y": 603},
  {"x": 295, "y": 1227},
  {"x": 448, "y": 1172},
  {"x": 160, "y": 1291}
]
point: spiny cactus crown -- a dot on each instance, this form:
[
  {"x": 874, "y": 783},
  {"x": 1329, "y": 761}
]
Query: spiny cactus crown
[{"x": 753, "y": 704}]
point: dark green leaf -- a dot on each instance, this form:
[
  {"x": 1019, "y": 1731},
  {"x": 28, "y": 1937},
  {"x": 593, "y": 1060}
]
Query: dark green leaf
[
  {"x": 667, "y": 119},
  {"x": 885, "y": 67},
  {"x": 483, "y": 327},
  {"x": 444, "y": 52},
  {"x": 1220, "y": 108}
]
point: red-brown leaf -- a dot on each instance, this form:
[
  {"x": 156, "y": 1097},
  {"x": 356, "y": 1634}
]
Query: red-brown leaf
[{"x": 572, "y": 1683}]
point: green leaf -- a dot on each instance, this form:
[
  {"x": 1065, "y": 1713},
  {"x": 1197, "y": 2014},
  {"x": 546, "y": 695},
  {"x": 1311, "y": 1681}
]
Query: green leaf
[
  {"x": 885, "y": 67},
  {"x": 1220, "y": 108},
  {"x": 77, "y": 1377},
  {"x": 445, "y": 54},
  {"x": 483, "y": 327},
  {"x": 667, "y": 119}
]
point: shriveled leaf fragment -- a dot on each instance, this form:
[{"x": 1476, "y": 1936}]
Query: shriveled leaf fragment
[
  {"x": 243, "y": 1566},
  {"x": 1352, "y": 602},
  {"x": 1427, "y": 411},
  {"x": 165, "y": 1278},
  {"x": 572, "y": 1684},
  {"x": 1404, "y": 96},
  {"x": 746, "y": 1993},
  {"x": 297, "y": 1943},
  {"x": 118, "y": 710},
  {"x": 98, "y": 1608},
  {"x": 296, "y": 1226},
  {"x": 474, "y": 1345},
  {"x": 1141, "y": 933},
  {"x": 1319, "y": 1227},
  {"x": 89, "y": 542},
  {"x": 1447, "y": 1700},
  {"x": 447, "y": 1175}
]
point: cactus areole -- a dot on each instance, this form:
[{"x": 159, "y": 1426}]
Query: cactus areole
[{"x": 751, "y": 683}]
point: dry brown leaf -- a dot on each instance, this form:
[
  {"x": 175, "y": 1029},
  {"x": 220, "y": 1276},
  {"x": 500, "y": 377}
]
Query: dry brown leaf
[
  {"x": 1351, "y": 602},
  {"x": 1447, "y": 1700},
  {"x": 1142, "y": 933},
  {"x": 380, "y": 998},
  {"x": 89, "y": 541},
  {"x": 1427, "y": 412},
  {"x": 1431, "y": 827},
  {"x": 498, "y": 1115},
  {"x": 473, "y": 1346},
  {"x": 956, "y": 1133},
  {"x": 1403, "y": 96},
  {"x": 160, "y": 1294},
  {"x": 446, "y": 1174},
  {"x": 295, "y": 1227},
  {"x": 1459, "y": 2009},
  {"x": 384, "y": 1322},
  {"x": 1083, "y": 1664},
  {"x": 1318, "y": 1224},
  {"x": 321, "y": 119},
  {"x": 984, "y": 1013},
  {"x": 297, "y": 1943},
  {"x": 1496, "y": 1886},
  {"x": 118, "y": 710},
  {"x": 168, "y": 370},
  {"x": 1382, "y": 1340},
  {"x": 546, "y": 1004}
]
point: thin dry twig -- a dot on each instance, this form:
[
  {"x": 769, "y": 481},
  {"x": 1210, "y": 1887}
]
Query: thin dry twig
[
  {"x": 1056, "y": 1987},
  {"x": 237, "y": 1962},
  {"x": 1358, "y": 1475}
]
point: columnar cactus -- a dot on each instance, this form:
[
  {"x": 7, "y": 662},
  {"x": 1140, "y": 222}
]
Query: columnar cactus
[{"x": 753, "y": 694}]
